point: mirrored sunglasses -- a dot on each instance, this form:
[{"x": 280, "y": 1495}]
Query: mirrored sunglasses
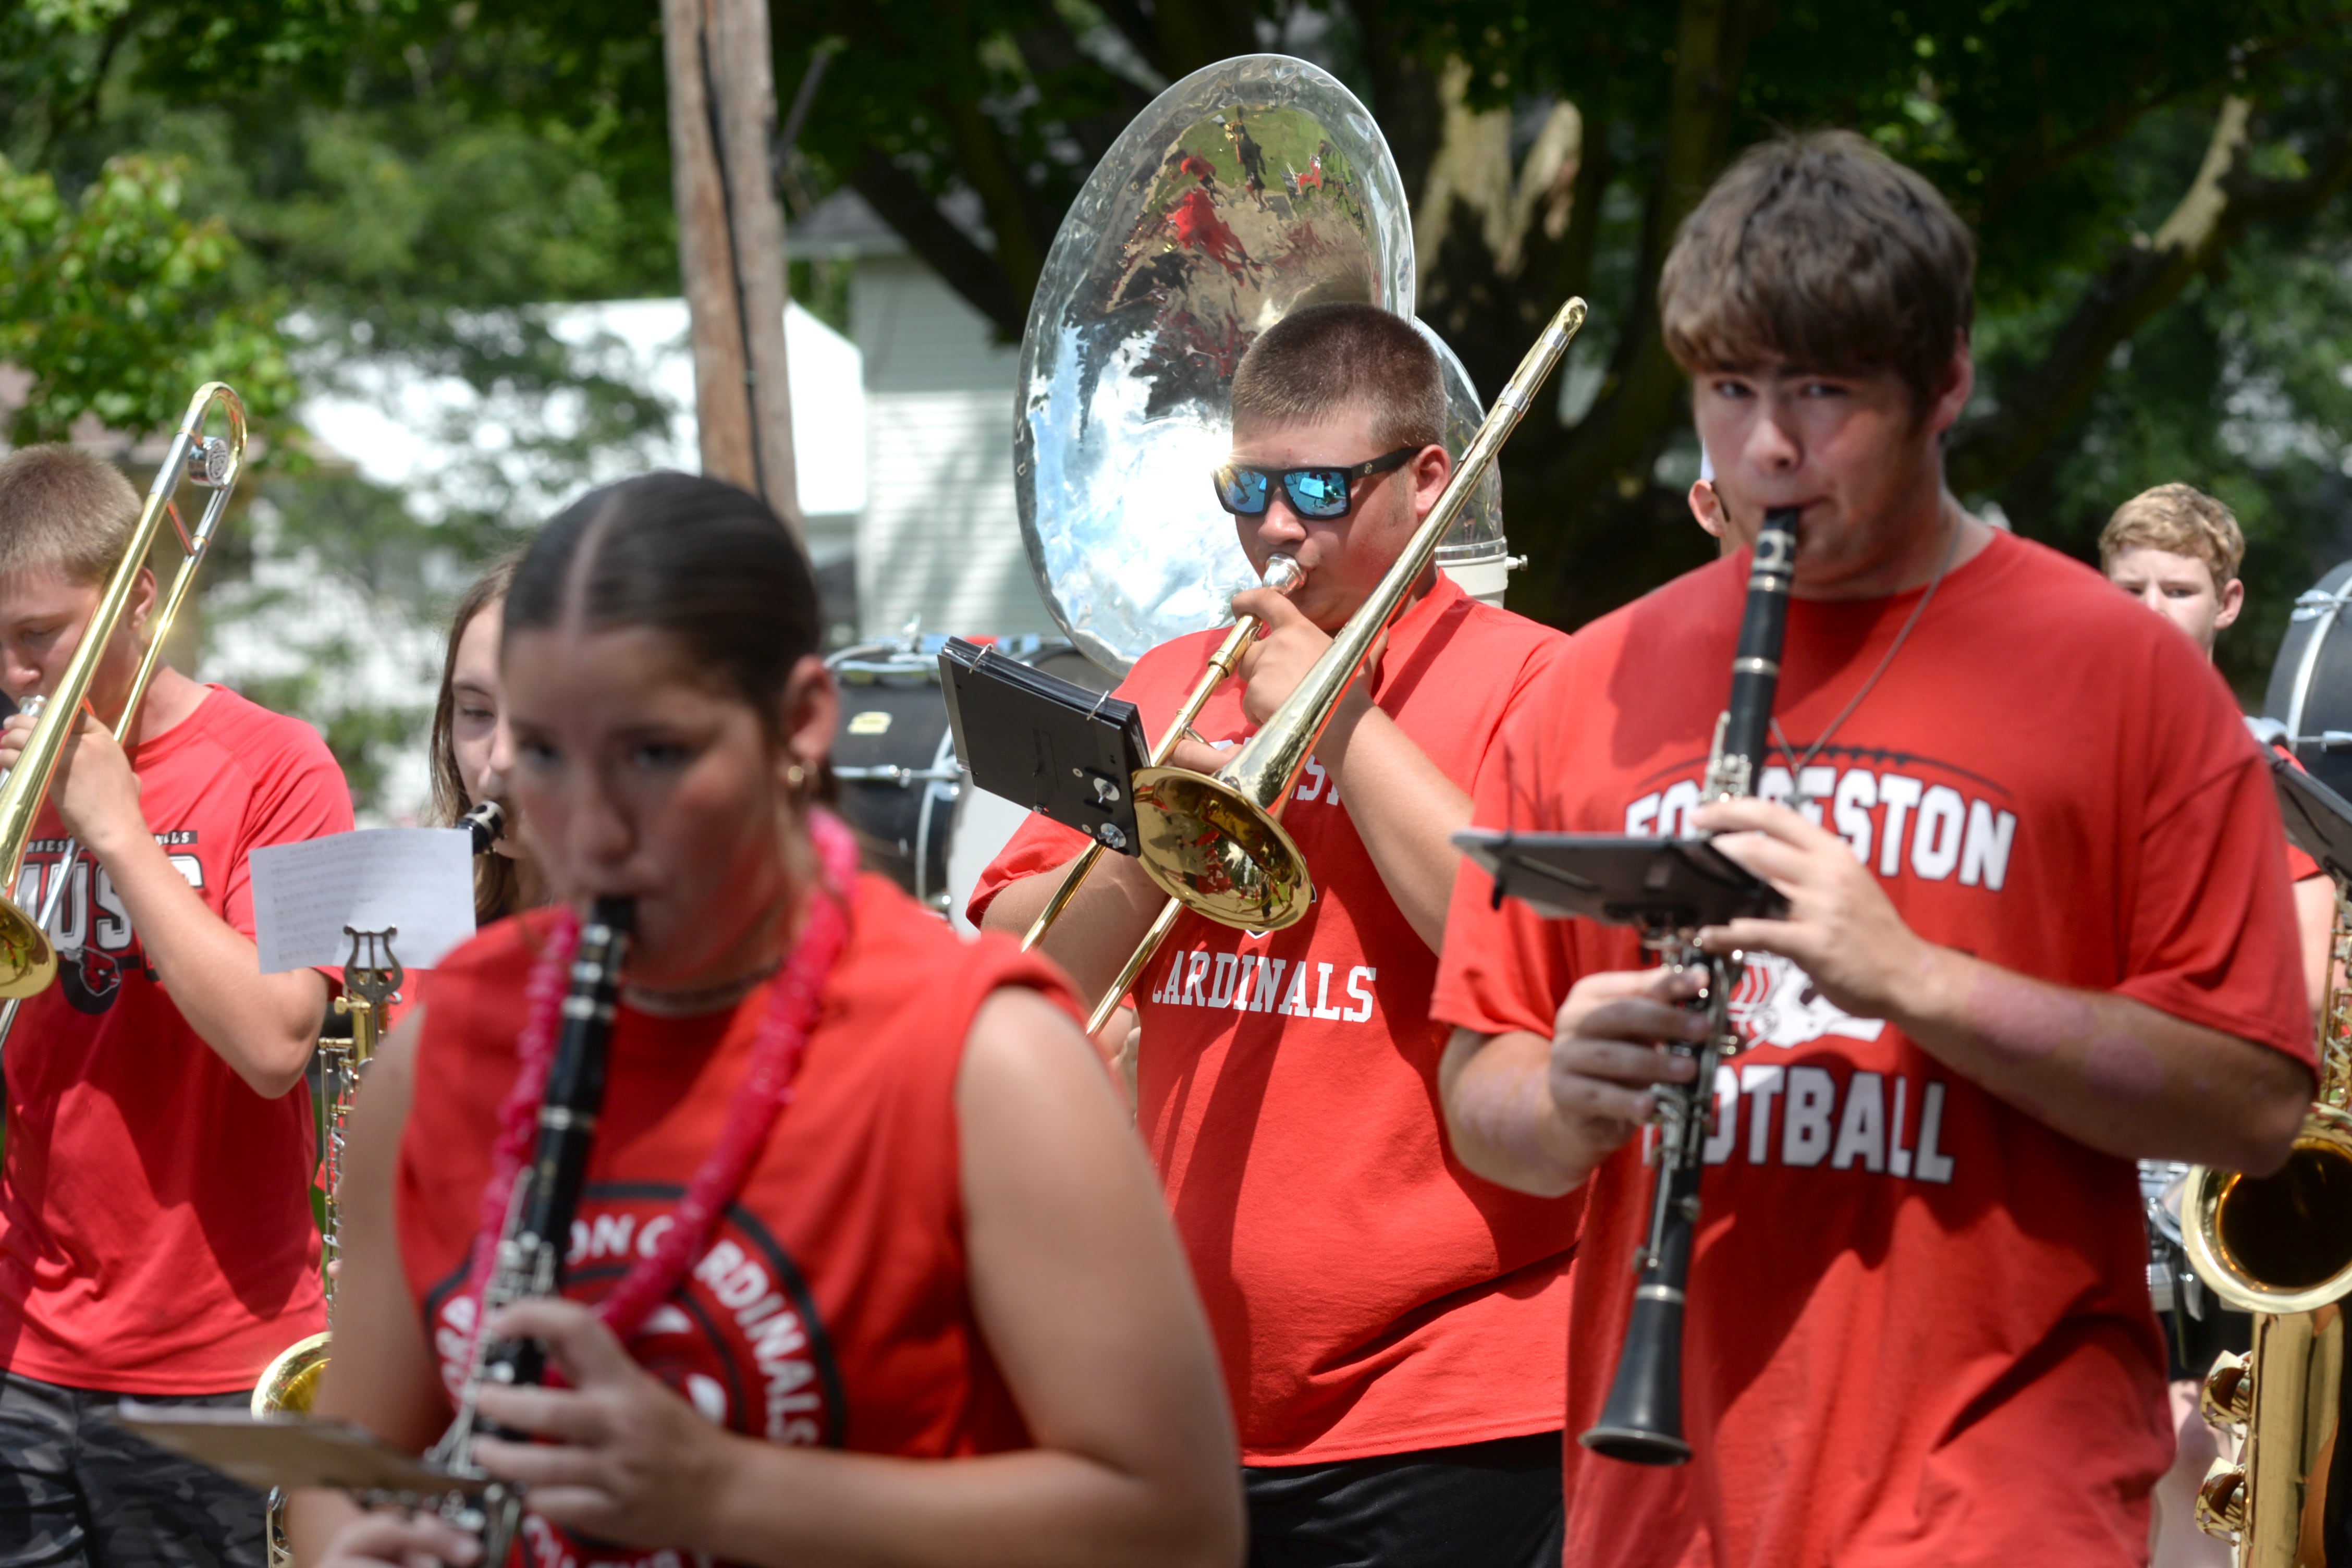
[{"x": 1319, "y": 492}]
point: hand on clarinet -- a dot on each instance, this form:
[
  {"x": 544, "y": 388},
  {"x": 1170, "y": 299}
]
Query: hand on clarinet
[
  {"x": 628, "y": 1460},
  {"x": 387, "y": 1539},
  {"x": 1606, "y": 1058},
  {"x": 1840, "y": 929}
]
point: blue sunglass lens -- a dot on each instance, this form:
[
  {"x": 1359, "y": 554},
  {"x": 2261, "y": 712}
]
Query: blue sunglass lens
[
  {"x": 1241, "y": 490},
  {"x": 1317, "y": 493}
]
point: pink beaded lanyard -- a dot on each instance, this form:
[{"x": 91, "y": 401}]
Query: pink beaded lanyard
[{"x": 767, "y": 1089}]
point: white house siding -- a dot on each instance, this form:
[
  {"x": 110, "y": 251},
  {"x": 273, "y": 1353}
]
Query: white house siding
[{"x": 939, "y": 538}]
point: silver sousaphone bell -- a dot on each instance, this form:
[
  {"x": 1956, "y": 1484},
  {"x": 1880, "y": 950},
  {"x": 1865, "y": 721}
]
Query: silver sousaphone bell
[{"x": 1252, "y": 187}]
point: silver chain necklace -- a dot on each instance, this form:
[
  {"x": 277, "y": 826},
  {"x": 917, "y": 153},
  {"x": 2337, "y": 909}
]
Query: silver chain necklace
[{"x": 1799, "y": 799}]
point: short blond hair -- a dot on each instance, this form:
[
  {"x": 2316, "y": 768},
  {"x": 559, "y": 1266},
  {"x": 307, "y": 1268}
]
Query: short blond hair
[
  {"x": 2180, "y": 520},
  {"x": 65, "y": 509}
]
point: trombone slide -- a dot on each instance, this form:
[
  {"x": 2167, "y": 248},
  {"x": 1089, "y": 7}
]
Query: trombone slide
[{"x": 28, "y": 961}]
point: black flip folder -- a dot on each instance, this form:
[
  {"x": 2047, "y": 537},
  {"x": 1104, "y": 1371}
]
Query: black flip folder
[
  {"x": 1050, "y": 745},
  {"x": 1659, "y": 884}
]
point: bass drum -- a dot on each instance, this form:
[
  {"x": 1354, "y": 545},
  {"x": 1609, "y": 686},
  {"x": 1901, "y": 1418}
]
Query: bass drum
[
  {"x": 894, "y": 759},
  {"x": 2311, "y": 684}
]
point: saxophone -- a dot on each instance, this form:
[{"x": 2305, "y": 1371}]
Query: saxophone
[
  {"x": 289, "y": 1384},
  {"x": 2280, "y": 1246}
]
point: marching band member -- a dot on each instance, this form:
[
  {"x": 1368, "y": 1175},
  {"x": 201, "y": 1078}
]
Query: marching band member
[
  {"x": 2038, "y": 925},
  {"x": 155, "y": 1232},
  {"x": 2176, "y": 551},
  {"x": 936, "y": 1239},
  {"x": 470, "y": 758},
  {"x": 1390, "y": 1324}
]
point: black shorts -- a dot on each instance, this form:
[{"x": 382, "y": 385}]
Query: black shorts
[
  {"x": 1484, "y": 1505},
  {"x": 78, "y": 1491}
]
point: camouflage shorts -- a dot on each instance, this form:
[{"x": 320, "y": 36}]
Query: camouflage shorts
[{"x": 78, "y": 1491}]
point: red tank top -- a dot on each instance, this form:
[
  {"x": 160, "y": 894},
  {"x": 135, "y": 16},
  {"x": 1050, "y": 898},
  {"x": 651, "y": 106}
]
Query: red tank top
[{"x": 831, "y": 1307}]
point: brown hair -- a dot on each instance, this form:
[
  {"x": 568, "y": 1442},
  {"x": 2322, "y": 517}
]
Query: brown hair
[
  {"x": 702, "y": 563},
  {"x": 498, "y": 879},
  {"x": 1822, "y": 253},
  {"x": 2180, "y": 520},
  {"x": 1322, "y": 358},
  {"x": 64, "y": 508}
]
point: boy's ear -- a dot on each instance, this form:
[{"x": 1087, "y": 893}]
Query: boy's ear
[
  {"x": 2232, "y": 601},
  {"x": 1706, "y": 508}
]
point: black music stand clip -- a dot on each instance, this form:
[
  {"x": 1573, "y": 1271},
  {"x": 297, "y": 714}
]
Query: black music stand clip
[
  {"x": 1657, "y": 884},
  {"x": 1050, "y": 745}
]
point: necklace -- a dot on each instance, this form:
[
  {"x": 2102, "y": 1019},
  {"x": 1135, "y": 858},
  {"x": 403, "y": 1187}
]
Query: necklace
[
  {"x": 686, "y": 1000},
  {"x": 776, "y": 1053},
  {"x": 1780, "y": 737}
]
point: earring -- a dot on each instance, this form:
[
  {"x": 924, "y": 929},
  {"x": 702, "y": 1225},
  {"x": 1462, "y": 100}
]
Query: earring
[{"x": 796, "y": 775}]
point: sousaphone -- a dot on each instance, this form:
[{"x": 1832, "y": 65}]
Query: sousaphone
[{"x": 1250, "y": 188}]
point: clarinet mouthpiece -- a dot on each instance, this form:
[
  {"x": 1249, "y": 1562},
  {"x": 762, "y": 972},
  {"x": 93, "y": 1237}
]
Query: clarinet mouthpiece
[{"x": 486, "y": 823}]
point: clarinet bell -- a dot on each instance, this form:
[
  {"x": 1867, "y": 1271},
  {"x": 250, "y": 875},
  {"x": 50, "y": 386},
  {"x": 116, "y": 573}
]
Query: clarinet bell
[{"x": 1642, "y": 1423}]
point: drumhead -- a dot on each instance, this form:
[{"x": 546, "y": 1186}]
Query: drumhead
[
  {"x": 894, "y": 759},
  {"x": 2311, "y": 682}
]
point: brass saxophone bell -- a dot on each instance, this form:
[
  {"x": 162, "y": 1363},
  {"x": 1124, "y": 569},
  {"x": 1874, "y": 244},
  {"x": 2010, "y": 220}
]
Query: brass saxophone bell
[
  {"x": 2280, "y": 1243},
  {"x": 290, "y": 1382}
]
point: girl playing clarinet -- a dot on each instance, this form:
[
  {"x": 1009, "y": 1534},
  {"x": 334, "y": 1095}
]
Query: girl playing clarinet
[{"x": 866, "y": 1266}]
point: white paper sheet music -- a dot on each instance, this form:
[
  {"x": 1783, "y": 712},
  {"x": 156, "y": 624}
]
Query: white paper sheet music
[{"x": 419, "y": 880}]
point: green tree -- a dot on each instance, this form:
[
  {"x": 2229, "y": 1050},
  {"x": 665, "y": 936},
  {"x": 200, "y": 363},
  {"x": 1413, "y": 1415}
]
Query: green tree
[
  {"x": 2157, "y": 188},
  {"x": 114, "y": 305}
]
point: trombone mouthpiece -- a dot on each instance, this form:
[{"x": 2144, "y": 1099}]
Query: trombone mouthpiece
[{"x": 1282, "y": 573}]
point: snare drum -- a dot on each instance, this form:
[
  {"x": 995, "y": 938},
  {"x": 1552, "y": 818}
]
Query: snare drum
[{"x": 894, "y": 756}]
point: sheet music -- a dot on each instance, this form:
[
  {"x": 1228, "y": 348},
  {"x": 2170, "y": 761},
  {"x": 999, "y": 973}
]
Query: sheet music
[{"x": 419, "y": 880}]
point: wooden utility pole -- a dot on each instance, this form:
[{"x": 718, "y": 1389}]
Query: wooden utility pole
[{"x": 731, "y": 240}]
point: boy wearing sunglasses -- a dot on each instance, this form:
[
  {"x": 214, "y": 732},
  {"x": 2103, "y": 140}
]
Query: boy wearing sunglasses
[{"x": 1390, "y": 1325}]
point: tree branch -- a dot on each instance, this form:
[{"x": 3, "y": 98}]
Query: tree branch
[
  {"x": 1609, "y": 452},
  {"x": 1404, "y": 93},
  {"x": 2141, "y": 279},
  {"x": 1010, "y": 206},
  {"x": 961, "y": 263},
  {"x": 1133, "y": 22},
  {"x": 1051, "y": 51},
  {"x": 2033, "y": 164},
  {"x": 1189, "y": 34}
]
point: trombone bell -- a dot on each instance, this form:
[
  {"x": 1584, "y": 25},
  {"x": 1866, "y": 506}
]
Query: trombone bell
[
  {"x": 1218, "y": 853},
  {"x": 29, "y": 962}
]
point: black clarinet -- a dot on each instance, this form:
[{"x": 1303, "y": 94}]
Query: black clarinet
[
  {"x": 1641, "y": 1421},
  {"x": 486, "y": 824},
  {"x": 538, "y": 1232}
]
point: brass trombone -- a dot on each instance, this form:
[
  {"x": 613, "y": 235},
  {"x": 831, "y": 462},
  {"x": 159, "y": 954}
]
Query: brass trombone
[
  {"x": 28, "y": 960},
  {"x": 1212, "y": 843}
]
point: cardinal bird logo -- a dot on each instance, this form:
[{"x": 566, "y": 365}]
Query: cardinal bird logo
[{"x": 90, "y": 979}]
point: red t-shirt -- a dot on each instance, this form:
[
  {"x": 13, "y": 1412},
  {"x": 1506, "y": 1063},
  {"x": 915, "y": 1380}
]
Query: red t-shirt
[
  {"x": 831, "y": 1308},
  {"x": 1918, "y": 1328},
  {"x": 1368, "y": 1295},
  {"x": 155, "y": 1228}
]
